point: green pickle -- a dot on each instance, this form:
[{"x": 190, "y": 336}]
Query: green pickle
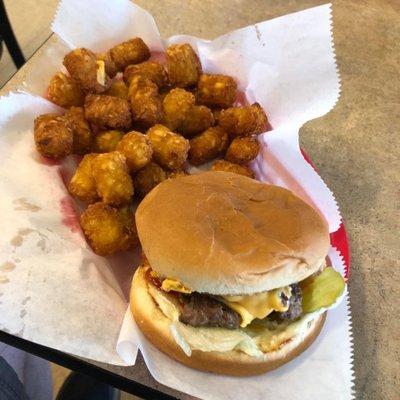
[{"x": 321, "y": 290}]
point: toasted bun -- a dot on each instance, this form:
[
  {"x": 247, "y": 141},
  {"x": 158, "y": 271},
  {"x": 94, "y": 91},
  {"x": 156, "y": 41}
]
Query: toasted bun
[
  {"x": 156, "y": 327},
  {"x": 223, "y": 233}
]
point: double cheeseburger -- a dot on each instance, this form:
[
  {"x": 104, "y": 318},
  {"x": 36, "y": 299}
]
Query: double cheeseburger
[{"x": 234, "y": 279}]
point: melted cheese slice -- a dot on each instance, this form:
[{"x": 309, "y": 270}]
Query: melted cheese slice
[
  {"x": 169, "y": 284},
  {"x": 248, "y": 307},
  {"x": 258, "y": 305},
  {"x": 260, "y": 337},
  {"x": 172, "y": 284},
  {"x": 257, "y": 339}
]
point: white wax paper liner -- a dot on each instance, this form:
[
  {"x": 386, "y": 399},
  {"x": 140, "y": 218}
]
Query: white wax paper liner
[
  {"x": 53, "y": 289},
  {"x": 287, "y": 64},
  {"x": 324, "y": 371}
]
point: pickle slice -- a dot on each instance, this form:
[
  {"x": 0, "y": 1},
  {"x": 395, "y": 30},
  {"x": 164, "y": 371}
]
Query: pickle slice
[{"x": 321, "y": 290}]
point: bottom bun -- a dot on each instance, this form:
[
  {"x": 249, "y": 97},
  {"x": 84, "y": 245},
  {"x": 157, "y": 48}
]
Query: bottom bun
[{"x": 156, "y": 327}]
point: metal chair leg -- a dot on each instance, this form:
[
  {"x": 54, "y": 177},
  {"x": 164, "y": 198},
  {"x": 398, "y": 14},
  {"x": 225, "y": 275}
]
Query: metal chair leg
[{"x": 7, "y": 34}]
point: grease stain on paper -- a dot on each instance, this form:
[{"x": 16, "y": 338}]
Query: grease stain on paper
[
  {"x": 4, "y": 279},
  {"x": 18, "y": 239},
  {"x": 42, "y": 244},
  {"x": 26, "y": 300},
  {"x": 7, "y": 266},
  {"x": 22, "y": 204},
  {"x": 259, "y": 35}
]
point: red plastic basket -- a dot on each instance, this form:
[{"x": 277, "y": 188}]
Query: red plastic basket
[{"x": 339, "y": 238}]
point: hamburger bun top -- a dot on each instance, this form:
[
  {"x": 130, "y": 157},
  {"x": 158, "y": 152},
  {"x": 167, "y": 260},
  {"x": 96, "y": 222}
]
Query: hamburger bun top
[{"x": 223, "y": 233}]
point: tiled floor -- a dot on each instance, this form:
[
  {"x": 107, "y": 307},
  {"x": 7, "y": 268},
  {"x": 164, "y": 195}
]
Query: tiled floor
[{"x": 30, "y": 37}]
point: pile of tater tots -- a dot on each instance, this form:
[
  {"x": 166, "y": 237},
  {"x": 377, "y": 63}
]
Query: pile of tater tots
[{"x": 138, "y": 122}]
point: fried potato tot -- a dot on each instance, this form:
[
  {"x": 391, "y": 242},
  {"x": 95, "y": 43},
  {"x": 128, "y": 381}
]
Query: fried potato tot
[
  {"x": 82, "y": 184},
  {"x": 183, "y": 65},
  {"x": 151, "y": 70},
  {"x": 127, "y": 217},
  {"x": 118, "y": 89},
  {"x": 197, "y": 120},
  {"x": 132, "y": 51},
  {"x": 84, "y": 67},
  {"x": 148, "y": 178},
  {"x": 136, "y": 147},
  {"x": 145, "y": 101},
  {"x": 109, "y": 64},
  {"x": 243, "y": 121},
  {"x": 81, "y": 132},
  {"x": 52, "y": 135},
  {"x": 108, "y": 111},
  {"x": 208, "y": 145},
  {"x": 176, "y": 105},
  {"x": 106, "y": 141},
  {"x": 216, "y": 113},
  {"x": 242, "y": 150},
  {"x": 65, "y": 91},
  {"x": 226, "y": 166},
  {"x": 170, "y": 149},
  {"x": 216, "y": 90},
  {"x": 104, "y": 229},
  {"x": 113, "y": 182}
]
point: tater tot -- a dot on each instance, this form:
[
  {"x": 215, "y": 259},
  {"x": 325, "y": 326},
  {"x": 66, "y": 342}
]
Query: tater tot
[
  {"x": 84, "y": 67},
  {"x": 53, "y": 137},
  {"x": 127, "y": 217},
  {"x": 183, "y": 65},
  {"x": 148, "y": 178},
  {"x": 226, "y": 166},
  {"x": 176, "y": 105},
  {"x": 109, "y": 64},
  {"x": 132, "y": 51},
  {"x": 243, "y": 121},
  {"x": 145, "y": 101},
  {"x": 216, "y": 90},
  {"x": 81, "y": 132},
  {"x": 65, "y": 91},
  {"x": 170, "y": 150},
  {"x": 207, "y": 145},
  {"x": 108, "y": 111},
  {"x": 151, "y": 70},
  {"x": 136, "y": 148},
  {"x": 113, "y": 183},
  {"x": 216, "y": 113},
  {"x": 242, "y": 150},
  {"x": 82, "y": 184},
  {"x": 118, "y": 89},
  {"x": 197, "y": 120},
  {"x": 104, "y": 229},
  {"x": 106, "y": 141}
]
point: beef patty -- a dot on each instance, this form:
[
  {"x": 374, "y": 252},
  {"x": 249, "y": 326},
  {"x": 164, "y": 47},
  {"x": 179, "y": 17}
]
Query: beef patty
[{"x": 203, "y": 310}]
